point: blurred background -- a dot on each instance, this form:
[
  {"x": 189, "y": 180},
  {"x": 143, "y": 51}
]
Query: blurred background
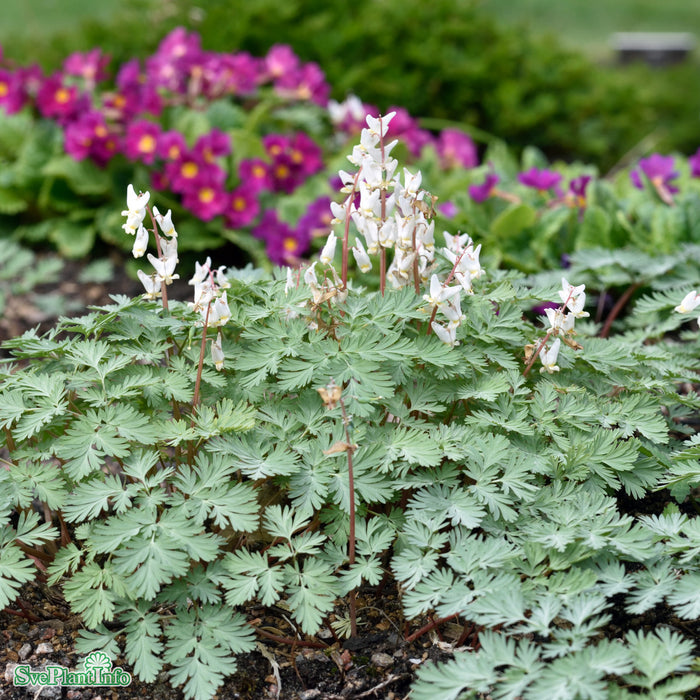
[{"x": 531, "y": 72}]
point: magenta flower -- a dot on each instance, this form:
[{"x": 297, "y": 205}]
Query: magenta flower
[
  {"x": 280, "y": 60},
  {"x": 456, "y": 149},
  {"x": 316, "y": 222},
  {"x": 541, "y": 180},
  {"x": 205, "y": 197},
  {"x": 694, "y": 162},
  {"x": 171, "y": 145},
  {"x": 215, "y": 144},
  {"x": 12, "y": 95},
  {"x": 480, "y": 193},
  {"x": 282, "y": 243},
  {"x": 231, "y": 74},
  {"x": 90, "y": 66},
  {"x": 91, "y": 136},
  {"x": 660, "y": 171},
  {"x": 307, "y": 82},
  {"x": 448, "y": 209},
  {"x": 141, "y": 140},
  {"x": 403, "y": 126},
  {"x": 59, "y": 101},
  {"x": 242, "y": 206},
  {"x": 187, "y": 170},
  {"x": 255, "y": 173},
  {"x": 577, "y": 190}
]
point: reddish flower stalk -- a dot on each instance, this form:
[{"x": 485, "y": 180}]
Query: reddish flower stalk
[{"x": 164, "y": 293}]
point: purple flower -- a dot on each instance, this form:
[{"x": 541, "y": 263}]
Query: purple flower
[
  {"x": 171, "y": 145},
  {"x": 242, "y": 206},
  {"x": 205, "y": 197},
  {"x": 90, "y": 136},
  {"x": 215, "y": 144},
  {"x": 141, "y": 140},
  {"x": 307, "y": 82},
  {"x": 316, "y": 222},
  {"x": 403, "y": 126},
  {"x": 577, "y": 190},
  {"x": 281, "y": 60},
  {"x": 694, "y": 162},
  {"x": 255, "y": 173},
  {"x": 455, "y": 149},
  {"x": 283, "y": 244},
  {"x": 448, "y": 209},
  {"x": 659, "y": 170},
  {"x": 480, "y": 193},
  {"x": 89, "y": 65},
  {"x": 12, "y": 94},
  {"x": 59, "y": 101},
  {"x": 541, "y": 180}
]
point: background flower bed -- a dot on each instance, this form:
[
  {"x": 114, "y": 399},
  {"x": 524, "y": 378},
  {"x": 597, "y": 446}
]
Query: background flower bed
[{"x": 554, "y": 215}]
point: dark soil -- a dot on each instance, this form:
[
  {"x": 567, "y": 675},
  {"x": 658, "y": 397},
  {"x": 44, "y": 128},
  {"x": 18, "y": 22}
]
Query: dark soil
[{"x": 40, "y": 629}]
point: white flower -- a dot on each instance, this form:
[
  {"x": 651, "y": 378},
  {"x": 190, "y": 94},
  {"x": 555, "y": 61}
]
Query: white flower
[
  {"x": 220, "y": 312},
  {"x": 168, "y": 249},
  {"x": 690, "y": 301},
  {"x": 374, "y": 123},
  {"x": 329, "y": 249},
  {"x": 549, "y": 357},
  {"x": 140, "y": 242},
  {"x": 361, "y": 257},
  {"x": 164, "y": 268},
  {"x": 221, "y": 278},
  {"x": 447, "y": 335},
  {"x": 217, "y": 353},
  {"x": 561, "y": 322},
  {"x": 151, "y": 284},
  {"x": 440, "y": 294},
  {"x": 576, "y": 304},
  {"x": 201, "y": 272},
  {"x": 568, "y": 291},
  {"x": 165, "y": 222},
  {"x": 136, "y": 209}
]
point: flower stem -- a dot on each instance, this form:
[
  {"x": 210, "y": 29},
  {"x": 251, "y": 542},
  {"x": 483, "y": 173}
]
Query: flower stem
[
  {"x": 351, "y": 537},
  {"x": 202, "y": 350}
]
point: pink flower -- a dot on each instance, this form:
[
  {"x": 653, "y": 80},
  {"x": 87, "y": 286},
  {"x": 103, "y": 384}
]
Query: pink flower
[
  {"x": 91, "y": 136},
  {"x": 89, "y": 65},
  {"x": 215, "y": 144},
  {"x": 305, "y": 83},
  {"x": 59, "y": 101},
  {"x": 659, "y": 169},
  {"x": 12, "y": 96},
  {"x": 694, "y": 162},
  {"x": 541, "y": 180},
  {"x": 480, "y": 193},
  {"x": 205, "y": 197},
  {"x": 455, "y": 149},
  {"x": 255, "y": 173},
  {"x": 141, "y": 140},
  {"x": 171, "y": 145},
  {"x": 242, "y": 206},
  {"x": 281, "y": 60}
]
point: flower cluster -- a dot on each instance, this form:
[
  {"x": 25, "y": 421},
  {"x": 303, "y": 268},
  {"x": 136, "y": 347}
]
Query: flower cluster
[
  {"x": 164, "y": 265},
  {"x": 392, "y": 214},
  {"x": 211, "y": 302},
  {"x": 561, "y": 325}
]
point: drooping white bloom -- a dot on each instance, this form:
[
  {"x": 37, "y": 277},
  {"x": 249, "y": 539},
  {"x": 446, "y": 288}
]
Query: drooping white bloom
[
  {"x": 217, "y": 353},
  {"x": 568, "y": 291},
  {"x": 447, "y": 335},
  {"x": 361, "y": 257},
  {"x": 151, "y": 284},
  {"x": 165, "y": 267},
  {"x": 328, "y": 251},
  {"x": 576, "y": 304},
  {"x": 168, "y": 248},
  {"x": 135, "y": 211},
  {"x": 221, "y": 279},
  {"x": 549, "y": 357},
  {"x": 201, "y": 272},
  {"x": 440, "y": 294},
  {"x": 374, "y": 123},
  {"x": 690, "y": 301},
  {"x": 559, "y": 321},
  {"x": 140, "y": 242},
  {"x": 165, "y": 222},
  {"x": 219, "y": 314}
]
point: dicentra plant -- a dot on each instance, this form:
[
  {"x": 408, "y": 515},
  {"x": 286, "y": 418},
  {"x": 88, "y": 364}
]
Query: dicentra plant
[{"x": 333, "y": 439}]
